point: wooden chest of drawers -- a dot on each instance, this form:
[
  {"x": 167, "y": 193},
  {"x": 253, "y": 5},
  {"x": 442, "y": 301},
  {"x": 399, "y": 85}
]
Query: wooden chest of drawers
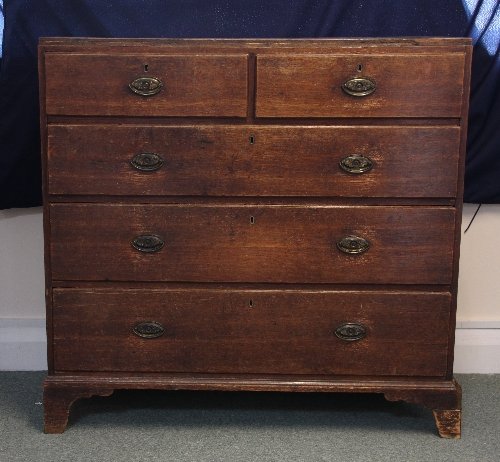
[{"x": 253, "y": 215}]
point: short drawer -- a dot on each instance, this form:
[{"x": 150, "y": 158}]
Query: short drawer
[
  {"x": 360, "y": 85},
  {"x": 252, "y": 243},
  {"x": 225, "y": 160},
  {"x": 146, "y": 85},
  {"x": 251, "y": 331}
]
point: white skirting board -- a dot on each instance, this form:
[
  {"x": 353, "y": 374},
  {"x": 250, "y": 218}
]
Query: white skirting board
[
  {"x": 477, "y": 348},
  {"x": 23, "y": 346}
]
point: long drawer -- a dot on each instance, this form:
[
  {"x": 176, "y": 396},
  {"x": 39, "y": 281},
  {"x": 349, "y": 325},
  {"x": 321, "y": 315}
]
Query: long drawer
[
  {"x": 252, "y": 243},
  {"x": 146, "y": 85},
  {"x": 249, "y": 160},
  {"x": 251, "y": 331},
  {"x": 360, "y": 85}
]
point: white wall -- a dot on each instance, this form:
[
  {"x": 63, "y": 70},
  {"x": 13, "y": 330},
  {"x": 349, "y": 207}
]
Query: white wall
[
  {"x": 21, "y": 264},
  {"x": 22, "y": 301},
  {"x": 478, "y": 317},
  {"x": 22, "y": 311},
  {"x": 479, "y": 276}
]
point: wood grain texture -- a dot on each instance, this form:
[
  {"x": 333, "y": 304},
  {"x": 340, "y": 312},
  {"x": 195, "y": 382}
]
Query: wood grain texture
[
  {"x": 407, "y": 86},
  {"x": 250, "y": 284},
  {"x": 219, "y": 243},
  {"x": 220, "y": 160},
  {"x": 449, "y": 423},
  {"x": 62, "y": 390},
  {"x": 459, "y": 205},
  {"x": 265, "y": 331},
  {"x": 58, "y": 400},
  {"x": 193, "y": 85},
  {"x": 356, "y": 45},
  {"x": 447, "y": 395}
]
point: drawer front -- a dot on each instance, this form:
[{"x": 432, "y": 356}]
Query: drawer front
[
  {"x": 252, "y": 243},
  {"x": 251, "y": 331},
  {"x": 402, "y": 85},
  {"x": 189, "y": 85},
  {"x": 225, "y": 160}
]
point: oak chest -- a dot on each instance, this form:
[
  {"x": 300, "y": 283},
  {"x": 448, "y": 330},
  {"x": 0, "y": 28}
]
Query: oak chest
[{"x": 253, "y": 215}]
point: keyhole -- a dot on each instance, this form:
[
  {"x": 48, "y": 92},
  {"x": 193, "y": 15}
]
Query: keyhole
[
  {"x": 252, "y": 139},
  {"x": 360, "y": 67},
  {"x": 250, "y": 303},
  {"x": 146, "y": 67},
  {"x": 252, "y": 220}
]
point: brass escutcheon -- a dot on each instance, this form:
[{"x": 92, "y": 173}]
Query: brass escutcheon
[
  {"x": 359, "y": 86},
  {"x": 350, "y": 331},
  {"x": 356, "y": 164},
  {"x": 146, "y": 86},
  {"x": 147, "y": 161},
  {"x": 148, "y": 329},
  {"x": 353, "y": 245},
  {"x": 148, "y": 243}
]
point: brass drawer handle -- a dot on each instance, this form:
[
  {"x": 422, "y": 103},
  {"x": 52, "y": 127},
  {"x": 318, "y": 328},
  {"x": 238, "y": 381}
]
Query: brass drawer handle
[
  {"x": 356, "y": 164},
  {"x": 359, "y": 86},
  {"x": 147, "y": 161},
  {"x": 148, "y": 243},
  {"x": 350, "y": 331},
  {"x": 353, "y": 245},
  {"x": 146, "y": 86},
  {"x": 148, "y": 329}
]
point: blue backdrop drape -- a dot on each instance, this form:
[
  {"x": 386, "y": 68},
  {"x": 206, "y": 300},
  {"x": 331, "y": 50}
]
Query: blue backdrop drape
[{"x": 27, "y": 20}]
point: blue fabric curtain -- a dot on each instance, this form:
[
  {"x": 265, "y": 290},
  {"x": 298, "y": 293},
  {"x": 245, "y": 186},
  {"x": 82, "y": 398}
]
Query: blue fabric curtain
[{"x": 27, "y": 20}]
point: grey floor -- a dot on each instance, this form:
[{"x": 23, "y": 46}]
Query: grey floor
[{"x": 203, "y": 426}]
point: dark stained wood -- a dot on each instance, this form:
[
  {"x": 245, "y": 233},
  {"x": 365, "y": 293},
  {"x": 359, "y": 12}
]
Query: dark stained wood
[
  {"x": 193, "y": 85},
  {"x": 446, "y": 405},
  {"x": 314, "y": 45},
  {"x": 66, "y": 388},
  {"x": 215, "y": 261},
  {"x": 310, "y": 86},
  {"x": 220, "y": 160},
  {"x": 449, "y": 423},
  {"x": 57, "y": 401},
  {"x": 292, "y": 244},
  {"x": 248, "y": 331},
  {"x": 459, "y": 206},
  {"x": 260, "y": 200},
  {"x": 250, "y": 120}
]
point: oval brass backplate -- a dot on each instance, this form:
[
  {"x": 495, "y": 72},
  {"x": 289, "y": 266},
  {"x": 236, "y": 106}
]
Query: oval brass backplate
[
  {"x": 359, "y": 86},
  {"x": 148, "y": 243},
  {"x": 356, "y": 164},
  {"x": 353, "y": 245},
  {"x": 146, "y": 86},
  {"x": 147, "y": 161},
  {"x": 148, "y": 329},
  {"x": 350, "y": 331}
]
